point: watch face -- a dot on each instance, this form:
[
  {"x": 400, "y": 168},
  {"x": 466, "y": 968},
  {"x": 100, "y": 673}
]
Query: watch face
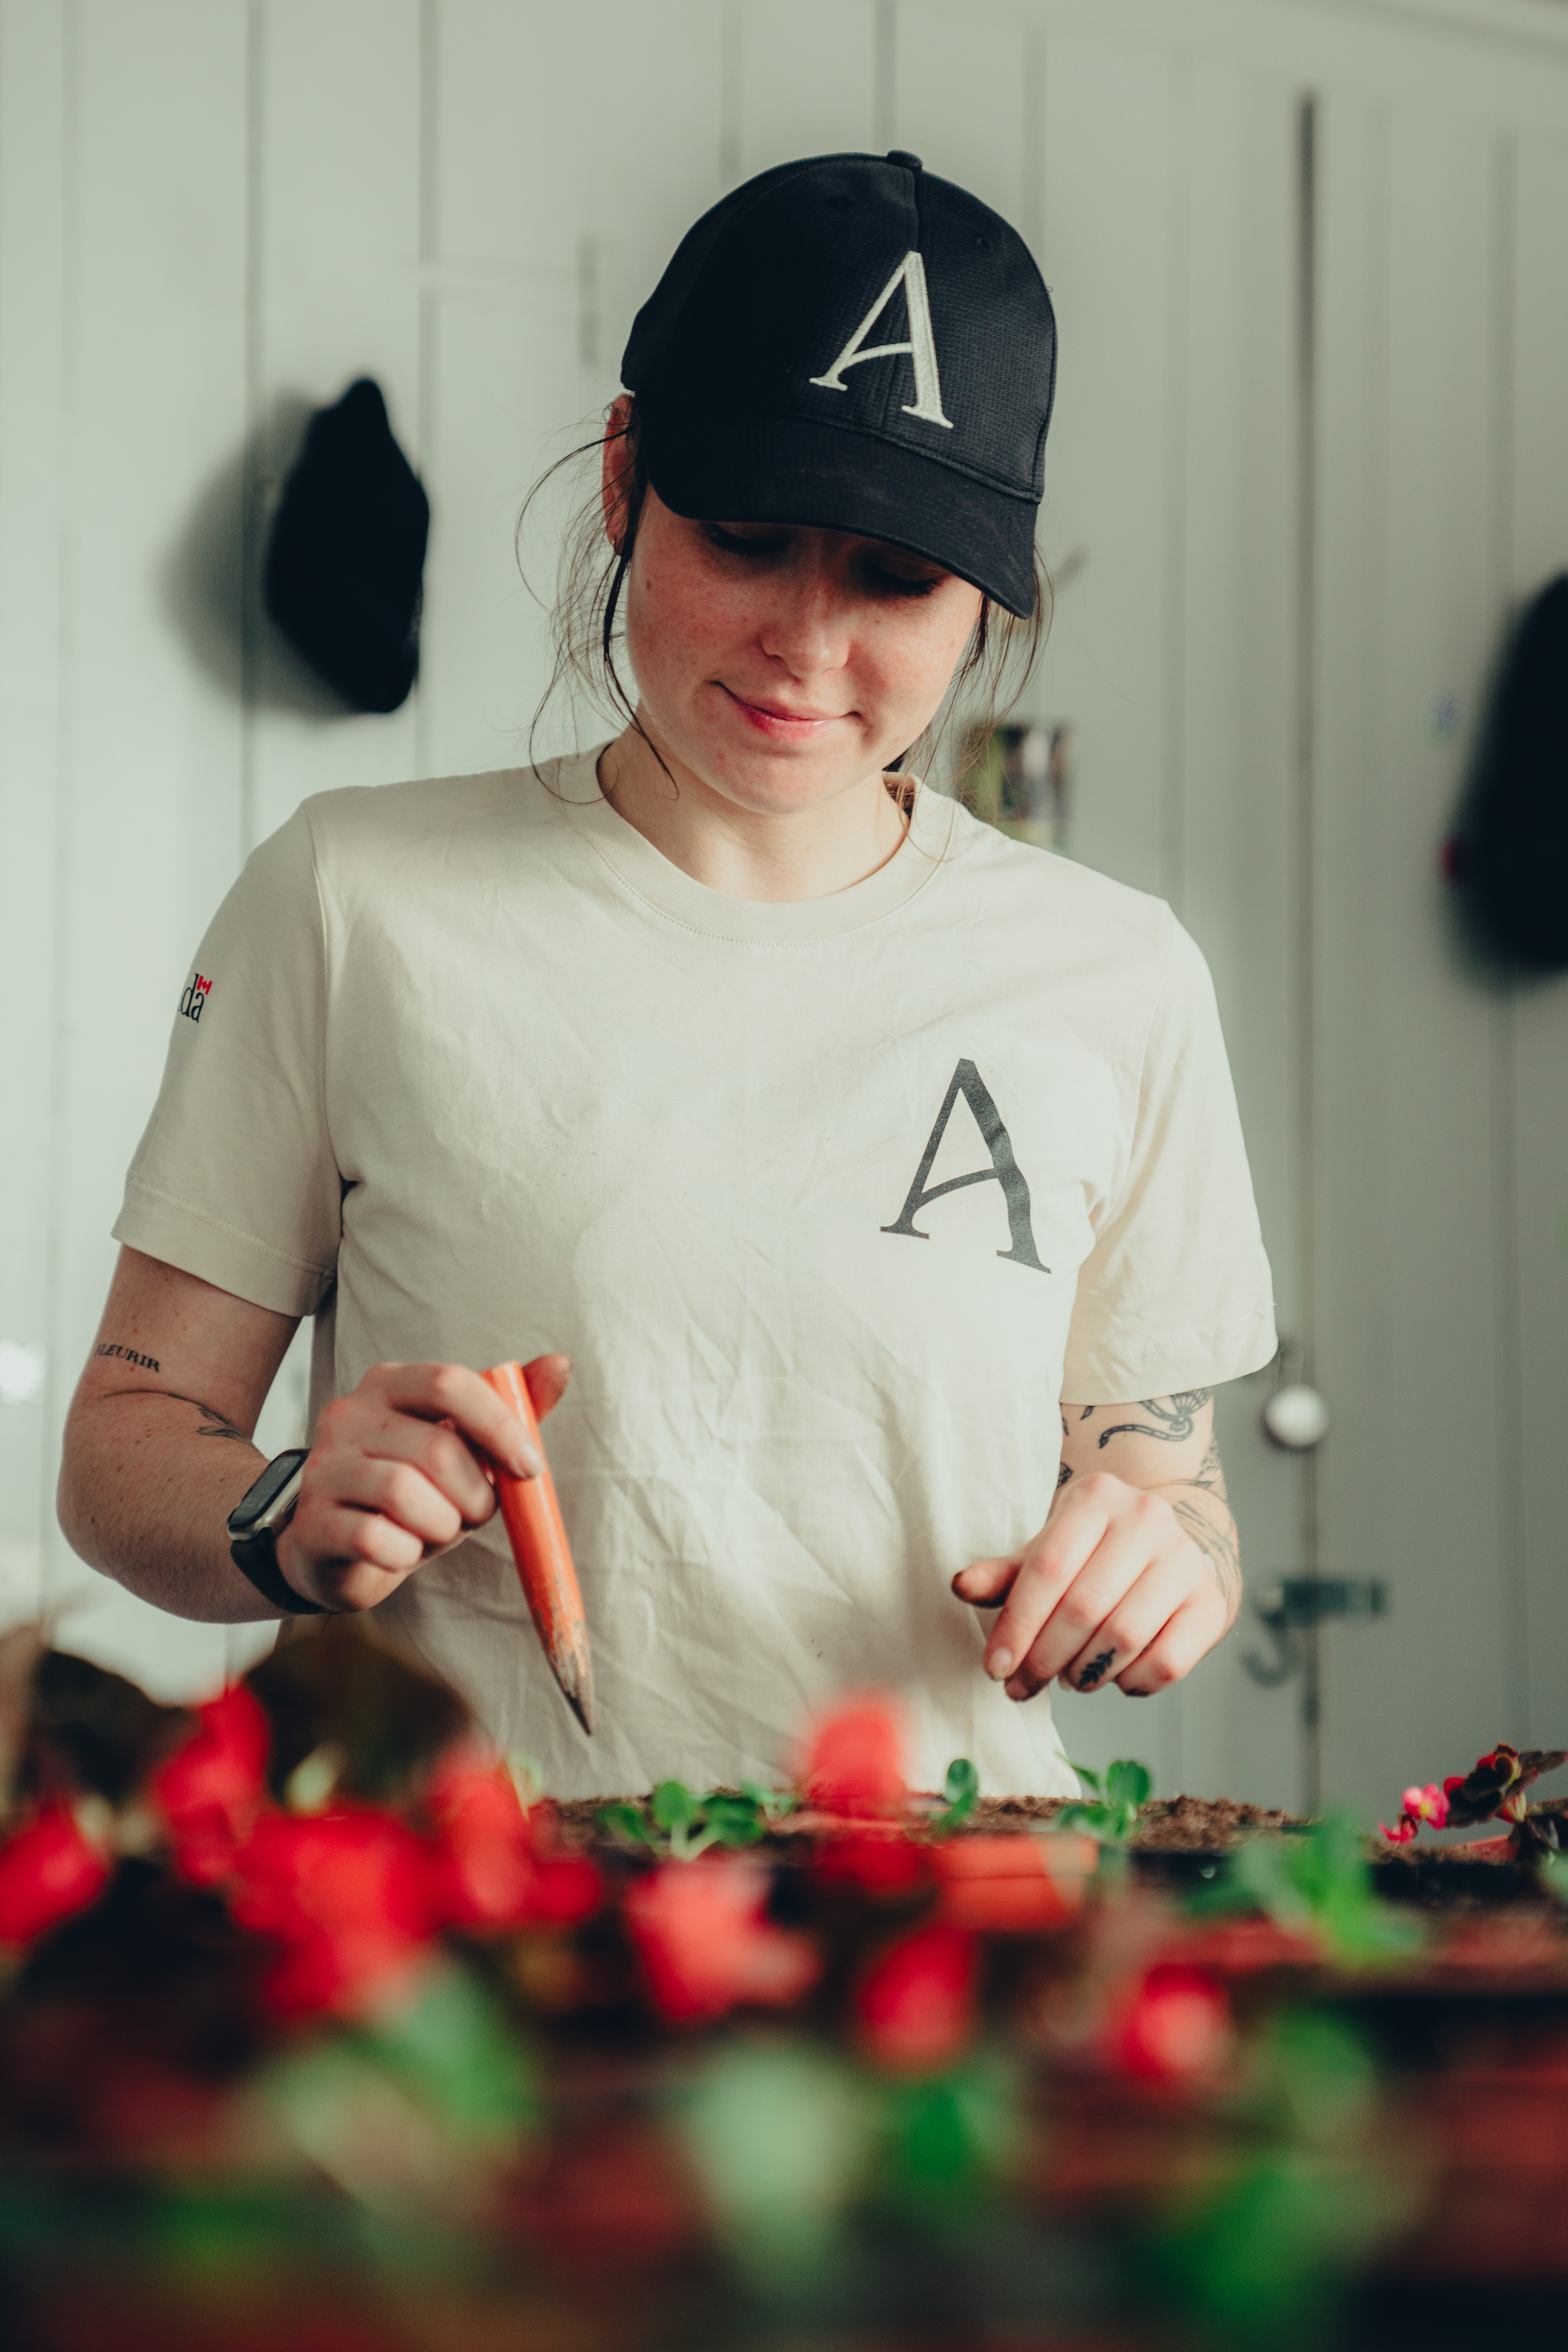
[{"x": 253, "y": 1507}]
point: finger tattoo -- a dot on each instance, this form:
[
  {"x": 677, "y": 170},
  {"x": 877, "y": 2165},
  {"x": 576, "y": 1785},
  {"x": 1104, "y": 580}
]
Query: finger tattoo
[{"x": 1096, "y": 1670}]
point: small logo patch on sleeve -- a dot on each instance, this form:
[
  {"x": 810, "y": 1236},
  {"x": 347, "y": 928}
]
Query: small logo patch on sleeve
[{"x": 195, "y": 996}]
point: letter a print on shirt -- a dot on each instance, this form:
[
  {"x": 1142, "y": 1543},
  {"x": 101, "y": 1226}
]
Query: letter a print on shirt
[
  {"x": 910, "y": 274},
  {"x": 1003, "y": 1170}
]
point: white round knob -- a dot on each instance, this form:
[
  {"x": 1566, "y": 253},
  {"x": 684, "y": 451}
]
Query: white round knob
[{"x": 1297, "y": 1417}]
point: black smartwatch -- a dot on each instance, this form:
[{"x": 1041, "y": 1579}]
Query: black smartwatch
[{"x": 255, "y": 1523}]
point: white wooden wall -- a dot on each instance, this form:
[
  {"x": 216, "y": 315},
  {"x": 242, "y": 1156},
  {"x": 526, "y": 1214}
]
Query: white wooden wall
[{"x": 214, "y": 213}]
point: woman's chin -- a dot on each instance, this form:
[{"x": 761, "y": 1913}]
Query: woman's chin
[
  {"x": 781, "y": 787},
  {"x": 778, "y": 779}
]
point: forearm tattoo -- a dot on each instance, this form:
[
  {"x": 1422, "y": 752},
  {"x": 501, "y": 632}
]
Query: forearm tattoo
[
  {"x": 1178, "y": 1414},
  {"x": 214, "y": 1424},
  {"x": 1218, "y": 1546},
  {"x": 127, "y": 1355},
  {"x": 1210, "y": 1471}
]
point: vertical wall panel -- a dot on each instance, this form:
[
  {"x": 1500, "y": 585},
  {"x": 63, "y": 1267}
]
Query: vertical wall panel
[
  {"x": 540, "y": 264},
  {"x": 965, "y": 100},
  {"x": 151, "y": 813},
  {"x": 1352, "y": 1203},
  {"x": 335, "y": 114},
  {"x": 507, "y": 266},
  {"x": 1110, "y": 132},
  {"x": 785, "y": 104},
  {"x": 1413, "y": 1222},
  {"x": 33, "y": 149},
  {"x": 1539, "y": 551}
]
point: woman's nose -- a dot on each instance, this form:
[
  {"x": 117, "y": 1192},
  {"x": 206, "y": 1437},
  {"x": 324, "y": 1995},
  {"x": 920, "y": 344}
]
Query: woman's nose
[{"x": 809, "y": 629}]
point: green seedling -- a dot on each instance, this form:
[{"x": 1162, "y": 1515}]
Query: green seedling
[
  {"x": 1115, "y": 1802},
  {"x": 678, "y": 1821},
  {"x": 1318, "y": 1881},
  {"x": 961, "y": 1791}
]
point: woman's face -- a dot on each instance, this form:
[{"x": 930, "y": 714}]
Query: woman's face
[{"x": 782, "y": 666}]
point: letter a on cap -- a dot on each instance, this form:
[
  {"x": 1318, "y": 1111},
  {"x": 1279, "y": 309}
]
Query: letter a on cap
[{"x": 910, "y": 274}]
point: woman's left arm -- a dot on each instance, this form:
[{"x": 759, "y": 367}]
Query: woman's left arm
[{"x": 1137, "y": 1571}]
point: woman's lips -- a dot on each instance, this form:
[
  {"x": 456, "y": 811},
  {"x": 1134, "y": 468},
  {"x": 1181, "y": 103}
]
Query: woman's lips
[{"x": 784, "y": 726}]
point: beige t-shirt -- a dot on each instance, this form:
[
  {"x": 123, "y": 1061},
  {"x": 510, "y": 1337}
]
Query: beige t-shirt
[{"x": 830, "y": 1202}]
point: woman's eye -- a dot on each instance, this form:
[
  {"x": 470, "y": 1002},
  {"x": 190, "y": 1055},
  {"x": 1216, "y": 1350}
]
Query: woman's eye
[
  {"x": 900, "y": 583},
  {"x": 734, "y": 543}
]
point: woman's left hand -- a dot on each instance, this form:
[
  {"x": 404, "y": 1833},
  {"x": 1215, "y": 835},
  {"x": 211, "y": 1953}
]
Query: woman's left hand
[{"x": 1135, "y": 1574}]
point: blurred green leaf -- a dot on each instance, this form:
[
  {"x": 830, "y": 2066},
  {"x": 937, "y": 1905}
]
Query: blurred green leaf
[
  {"x": 781, "y": 2134},
  {"x": 1129, "y": 1783},
  {"x": 947, "y": 2140},
  {"x": 1090, "y": 1777},
  {"x": 627, "y": 1821},
  {"x": 734, "y": 1821},
  {"x": 961, "y": 1790},
  {"x": 775, "y": 1802},
  {"x": 454, "y": 2047},
  {"x": 1265, "y": 2255},
  {"x": 1263, "y": 2251},
  {"x": 674, "y": 1806},
  {"x": 1098, "y": 1820},
  {"x": 408, "y": 2114},
  {"x": 1318, "y": 2072},
  {"x": 1551, "y": 1873}
]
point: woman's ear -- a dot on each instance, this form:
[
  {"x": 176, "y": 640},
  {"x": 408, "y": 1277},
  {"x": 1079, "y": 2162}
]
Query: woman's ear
[{"x": 617, "y": 470}]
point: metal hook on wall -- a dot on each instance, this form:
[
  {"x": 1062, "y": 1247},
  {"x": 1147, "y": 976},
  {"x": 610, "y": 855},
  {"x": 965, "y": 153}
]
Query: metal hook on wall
[{"x": 1296, "y": 1603}]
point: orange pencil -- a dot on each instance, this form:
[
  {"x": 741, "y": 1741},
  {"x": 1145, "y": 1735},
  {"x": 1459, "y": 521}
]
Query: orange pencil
[{"x": 537, "y": 1537}]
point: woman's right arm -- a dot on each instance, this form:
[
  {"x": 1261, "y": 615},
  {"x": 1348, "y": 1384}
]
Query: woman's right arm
[{"x": 158, "y": 1452}]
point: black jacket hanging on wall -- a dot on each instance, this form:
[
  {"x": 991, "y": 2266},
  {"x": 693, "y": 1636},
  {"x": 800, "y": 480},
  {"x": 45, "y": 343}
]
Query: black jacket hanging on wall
[
  {"x": 1508, "y": 853},
  {"x": 346, "y": 558}
]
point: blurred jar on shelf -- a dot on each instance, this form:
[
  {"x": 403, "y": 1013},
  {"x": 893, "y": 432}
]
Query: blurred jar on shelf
[{"x": 1019, "y": 779}]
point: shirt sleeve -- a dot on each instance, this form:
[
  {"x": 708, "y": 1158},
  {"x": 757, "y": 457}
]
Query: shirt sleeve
[
  {"x": 1175, "y": 1293},
  {"x": 235, "y": 1179}
]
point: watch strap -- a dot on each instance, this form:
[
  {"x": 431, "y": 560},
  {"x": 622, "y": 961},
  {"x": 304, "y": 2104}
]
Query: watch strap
[{"x": 255, "y": 1557}]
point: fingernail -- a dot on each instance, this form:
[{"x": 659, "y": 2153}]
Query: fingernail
[
  {"x": 527, "y": 1462},
  {"x": 1018, "y": 1690},
  {"x": 999, "y": 1663}
]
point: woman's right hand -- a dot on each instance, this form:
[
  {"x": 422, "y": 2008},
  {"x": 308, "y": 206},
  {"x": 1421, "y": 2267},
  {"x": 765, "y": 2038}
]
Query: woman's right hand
[{"x": 394, "y": 1475}]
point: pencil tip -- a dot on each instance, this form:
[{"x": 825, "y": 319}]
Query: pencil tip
[{"x": 582, "y": 1708}]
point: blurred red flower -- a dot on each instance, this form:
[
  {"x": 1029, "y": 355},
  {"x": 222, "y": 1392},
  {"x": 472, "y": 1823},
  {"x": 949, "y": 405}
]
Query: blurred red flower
[
  {"x": 915, "y": 2006},
  {"x": 211, "y": 1791},
  {"x": 349, "y": 1896},
  {"x": 855, "y": 1759},
  {"x": 1178, "y": 2026},
  {"x": 566, "y": 1888},
  {"x": 872, "y": 1865},
  {"x": 493, "y": 1865},
  {"x": 703, "y": 1940},
  {"x": 998, "y": 1884},
  {"x": 48, "y": 1870}
]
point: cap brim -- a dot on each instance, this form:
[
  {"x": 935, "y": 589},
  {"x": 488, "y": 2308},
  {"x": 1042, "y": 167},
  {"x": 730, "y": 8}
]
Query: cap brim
[{"x": 717, "y": 465}]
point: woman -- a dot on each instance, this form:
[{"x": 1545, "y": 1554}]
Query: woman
[{"x": 850, "y": 1149}]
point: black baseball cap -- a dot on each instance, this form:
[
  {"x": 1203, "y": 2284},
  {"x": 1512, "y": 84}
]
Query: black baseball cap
[{"x": 851, "y": 342}]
